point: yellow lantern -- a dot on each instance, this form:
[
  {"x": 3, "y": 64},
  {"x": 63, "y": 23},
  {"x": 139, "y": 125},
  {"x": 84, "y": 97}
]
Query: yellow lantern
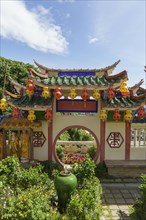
[
  {"x": 45, "y": 92},
  {"x": 72, "y": 93},
  {"x": 96, "y": 94},
  {"x": 29, "y": 92},
  {"x": 123, "y": 88},
  {"x": 128, "y": 115},
  {"x": 3, "y": 104},
  {"x": 103, "y": 115},
  {"x": 31, "y": 116}
]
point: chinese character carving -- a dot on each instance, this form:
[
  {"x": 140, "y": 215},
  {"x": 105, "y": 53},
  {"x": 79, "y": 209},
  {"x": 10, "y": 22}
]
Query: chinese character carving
[
  {"x": 115, "y": 139},
  {"x": 38, "y": 139}
]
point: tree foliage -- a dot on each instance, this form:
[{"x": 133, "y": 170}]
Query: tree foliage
[{"x": 17, "y": 70}]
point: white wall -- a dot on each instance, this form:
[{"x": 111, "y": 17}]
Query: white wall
[
  {"x": 41, "y": 153},
  {"x": 115, "y": 153}
]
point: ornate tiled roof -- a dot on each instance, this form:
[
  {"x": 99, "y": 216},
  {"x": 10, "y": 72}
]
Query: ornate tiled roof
[
  {"x": 126, "y": 102},
  {"x": 49, "y": 71},
  {"x": 122, "y": 102},
  {"x": 37, "y": 103},
  {"x": 81, "y": 81}
]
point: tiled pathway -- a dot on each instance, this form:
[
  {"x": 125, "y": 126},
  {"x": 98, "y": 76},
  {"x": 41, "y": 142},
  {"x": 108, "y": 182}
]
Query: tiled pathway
[{"x": 117, "y": 198}]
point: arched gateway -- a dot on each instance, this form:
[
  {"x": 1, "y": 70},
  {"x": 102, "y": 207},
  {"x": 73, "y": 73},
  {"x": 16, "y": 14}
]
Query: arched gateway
[{"x": 55, "y": 99}]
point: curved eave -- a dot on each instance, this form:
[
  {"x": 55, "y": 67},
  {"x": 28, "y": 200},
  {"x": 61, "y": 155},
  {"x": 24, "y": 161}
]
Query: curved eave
[
  {"x": 122, "y": 103},
  {"x": 16, "y": 84},
  {"x": 121, "y": 75},
  {"x": 136, "y": 87},
  {"x": 47, "y": 70},
  {"x": 32, "y": 72},
  {"x": 15, "y": 96}
]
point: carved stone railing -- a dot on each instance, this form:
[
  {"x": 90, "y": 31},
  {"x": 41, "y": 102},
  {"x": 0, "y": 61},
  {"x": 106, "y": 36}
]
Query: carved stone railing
[{"x": 138, "y": 136}]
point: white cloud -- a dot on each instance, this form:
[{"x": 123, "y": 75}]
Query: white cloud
[
  {"x": 69, "y": 1},
  {"x": 42, "y": 10},
  {"x": 38, "y": 32},
  {"x": 67, "y": 15},
  {"x": 92, "y": 40}
]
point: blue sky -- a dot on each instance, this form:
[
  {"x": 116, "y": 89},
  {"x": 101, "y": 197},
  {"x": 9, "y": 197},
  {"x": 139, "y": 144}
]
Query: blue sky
[{"x": 76, "y": 34}]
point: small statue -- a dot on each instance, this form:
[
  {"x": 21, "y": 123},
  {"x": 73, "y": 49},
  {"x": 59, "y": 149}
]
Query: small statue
[
  {"x": 24, "y": 144},
  {"x": 14, "y": 144}
]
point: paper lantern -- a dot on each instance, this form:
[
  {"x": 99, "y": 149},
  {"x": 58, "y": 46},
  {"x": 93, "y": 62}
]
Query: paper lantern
[
  {"x": 30, "y": 84},
  {"x": 85, "y": 94},
  {"x": 48, "y": 114},
  {"x": 45, "y": 92},
  {"x": 31, "y": 116},
  {"x": 29, "y": 92},
  {"x": 15, "y": 113},
  {"x": 96, "y": 94},
  {"x": 116, "y": 115},
  {"x": 110, "y": 93},
  {"x": 124, "y": 89},
  {"x": 128, "y": 115},
  {"x": 103, "y": 115},
  {"x": 3, "y": 104},
  {"x": 58, "y": 93},
  {"x": 141, "y": 112},
  {"x": 72, "y": 93}
]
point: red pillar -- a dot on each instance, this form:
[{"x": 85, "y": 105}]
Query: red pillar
[
  {"x": 127, "y": 140},
  {"x": 50, "y": 140},
  {"x": 102, "y": 141}
]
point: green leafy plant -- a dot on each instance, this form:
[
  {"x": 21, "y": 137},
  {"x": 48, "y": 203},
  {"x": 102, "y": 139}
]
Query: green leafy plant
[
  {"x": 139, "y": 207},
  {"x": 32, "y": 204},
  {"x": 101, "y": 169},
  {"x": 51, "y": 168},
  {"x": 84, "y": 169},
  {"x": 92, "y": 151},
  {"x": 59, "y": 151},
  {"x": 85, "y": 203}
]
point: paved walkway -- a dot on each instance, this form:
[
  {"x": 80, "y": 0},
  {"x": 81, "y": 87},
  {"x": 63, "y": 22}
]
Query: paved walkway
[{"x": 118, "y": 196}]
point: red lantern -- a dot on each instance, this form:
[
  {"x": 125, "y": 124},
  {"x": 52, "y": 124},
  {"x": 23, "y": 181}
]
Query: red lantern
[
  {"x": 85, "y": 94},
  {"x": 110, "y": 93},
  {"x": 116, "y": 115},
  {"x": 58, "y": 93},
  {"x": 16, "y": 113},
  {"x": 141, "y": 112},
  {"x": 30, "y": 84},
  {"x": 48, "y": 115}
]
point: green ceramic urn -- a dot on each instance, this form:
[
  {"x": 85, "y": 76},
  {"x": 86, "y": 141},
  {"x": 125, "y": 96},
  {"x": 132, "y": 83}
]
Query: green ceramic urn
[{"x": 65, "y": 183}]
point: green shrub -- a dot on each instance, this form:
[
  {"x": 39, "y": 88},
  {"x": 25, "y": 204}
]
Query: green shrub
[
  {"x": 139, "y": 208},
  {"x": 51, "y": 168},
  {"x": 59, "y": 151},
  {"x": 32, "y": 204},
  {"x": 92, "y": 151},
  {"x": 84, "y": 170},
  {"x": 100, "y": 169},
  {"x": 85, "y": 203}
]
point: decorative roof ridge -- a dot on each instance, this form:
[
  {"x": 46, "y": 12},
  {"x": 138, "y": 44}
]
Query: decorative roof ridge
[
  {"x": 116, "y": 76},
  {"x": 17, "y": 85},
  {"x": 69, "y": 70},
  {"x": 15, "y": 96},
  {"x": 33, "y": 72},
  {"x": 136, "y": 87},
  {"x": 133, "y": 97}
]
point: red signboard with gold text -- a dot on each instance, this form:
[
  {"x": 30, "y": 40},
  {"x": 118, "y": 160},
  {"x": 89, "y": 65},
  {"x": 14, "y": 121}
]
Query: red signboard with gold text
[{"x": 77, "y": 105}]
